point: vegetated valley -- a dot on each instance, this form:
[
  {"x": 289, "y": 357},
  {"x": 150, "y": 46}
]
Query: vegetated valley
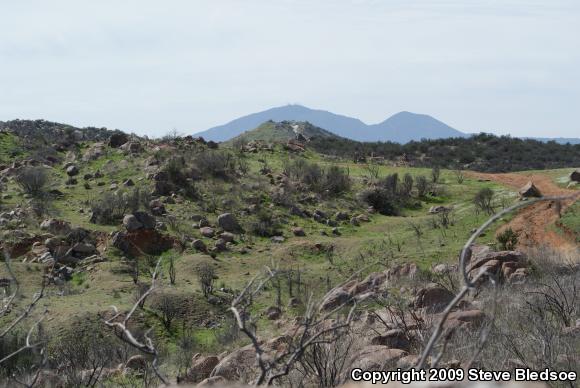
[{"x": 285, "y": 256}]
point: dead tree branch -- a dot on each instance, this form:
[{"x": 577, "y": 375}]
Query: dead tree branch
[{"x": 147, "y": 346}]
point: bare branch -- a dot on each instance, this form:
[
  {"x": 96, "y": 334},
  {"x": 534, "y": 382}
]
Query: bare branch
[{"x": 471, "y": 283}]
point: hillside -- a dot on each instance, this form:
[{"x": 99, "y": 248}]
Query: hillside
[
  {"x": 360, "y": 254},
  {"x": 402, "y": 127},
  {"x": 271, "y": 131}
]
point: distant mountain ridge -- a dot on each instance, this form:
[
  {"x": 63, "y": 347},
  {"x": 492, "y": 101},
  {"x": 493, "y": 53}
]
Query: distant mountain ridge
[{"x": 401, "y": 127}]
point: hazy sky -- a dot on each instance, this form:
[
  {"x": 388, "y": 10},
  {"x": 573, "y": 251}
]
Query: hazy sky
[{"x": 505, "y": 66}]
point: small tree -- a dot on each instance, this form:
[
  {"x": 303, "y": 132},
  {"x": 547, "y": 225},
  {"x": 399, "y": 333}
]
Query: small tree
[
  {"x": 484, "y": 201},
  {"x": 206, "y": 277}
]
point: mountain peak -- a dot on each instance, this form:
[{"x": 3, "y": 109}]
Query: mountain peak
[{"x": 401, "y": 127}]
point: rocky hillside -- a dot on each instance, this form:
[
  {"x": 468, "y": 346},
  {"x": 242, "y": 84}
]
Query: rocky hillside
[{"x": 214, "y": 253}]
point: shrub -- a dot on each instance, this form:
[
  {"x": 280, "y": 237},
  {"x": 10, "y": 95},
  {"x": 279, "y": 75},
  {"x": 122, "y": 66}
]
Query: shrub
[
  {"x": 422, "y": 186},
  {"x": 206, "y": 275},
  {"x": 33, "y": 181},
  {"x": 266, "y": 225},
  {"x": 407, "y": 185},
  {"x": 217, "y": 164},
  {"x": 332, "y": 181},
  {"x": 336, "y": 180},
  {"x": 382, "y": 201},
  {"x": 483, "y": 201},
  {"x": 435, "y": 174},
  {"x": 508, "y": 239},
  {"x": 112, "y": 207}
]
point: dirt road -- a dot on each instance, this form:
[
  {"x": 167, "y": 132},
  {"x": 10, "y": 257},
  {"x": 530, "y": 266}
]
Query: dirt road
[{"x": 533, "y": 223}]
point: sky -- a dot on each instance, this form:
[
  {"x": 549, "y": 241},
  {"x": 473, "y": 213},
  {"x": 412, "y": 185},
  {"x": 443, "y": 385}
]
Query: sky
[{"x": 150, "y": 67}]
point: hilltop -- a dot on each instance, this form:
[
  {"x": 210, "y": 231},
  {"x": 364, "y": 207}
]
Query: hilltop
[{"x": 271, "y": 131}]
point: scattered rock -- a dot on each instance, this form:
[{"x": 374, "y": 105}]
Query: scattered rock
[
  {"x": 530, "y": 190},
  {"x": 199, "y": 245},
  {"x": 72, "y": 170},
  {"x": 131, "y": 223},
  {"x": 273, "y": 313},
  {"x": 394, "y": 339},
  {"x": 277, "y": 239},
  {"x": 434, "y": 298},
  {"x": 229, "y": 223},
  {"x": 206, "y": 231},
  {"x": 298, "y": 231},
  {"x": 136, "y": 362}
]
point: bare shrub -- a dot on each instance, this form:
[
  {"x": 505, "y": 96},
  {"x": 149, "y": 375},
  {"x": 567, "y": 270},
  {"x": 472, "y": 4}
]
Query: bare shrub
[
  {"x": 168, "y": 308},
  {"x": 33, "y": 181},
  {"x": 435, "y": 174},
  {"x": 483, "y": 201},
  {"x": 422, "y": 185},
  {"x": 216, "y": 164},
  {"x": 206, "y": 276}
]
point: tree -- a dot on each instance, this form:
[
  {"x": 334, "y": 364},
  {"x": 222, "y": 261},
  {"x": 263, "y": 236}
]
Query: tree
[{"x": 484, "y": 201}]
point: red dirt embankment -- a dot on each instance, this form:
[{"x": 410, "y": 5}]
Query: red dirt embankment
[{"x": 533, "y": 223}]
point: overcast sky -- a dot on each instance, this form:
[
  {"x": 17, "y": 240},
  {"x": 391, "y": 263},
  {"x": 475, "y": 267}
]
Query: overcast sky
[{"x": 505, "y": 66}]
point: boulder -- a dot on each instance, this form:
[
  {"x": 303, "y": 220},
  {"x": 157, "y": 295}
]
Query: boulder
[
  {"x": 220, "y": 245},
  {"x": 354, "y": 221},
  {"x": 299, "y": 232},
  {"x": 213, "y": 382},
  {"x": 492, "y": 262},
  {"x": 341, "y": 216},
  {"x": 128, "y": 183},
  {"x": 54, "y": 226},
  {"x": 157, "y": 207},
  {"x": 376, "y": 357},
  {"x": 530, "y": 190},
  {"x": 132, "y": 147},
  {"x": 394, "y": 339},
  {"x": 142, "y": 241},
  {"x": 146, "y": 219},
  {"x": 201, "y": 368},
  {"x": 131, "y": 223},
  {"x": 206, "y": 231},
  {"x": 434, "y": 298},
  {"x": 273, "y": 313},
  {"x": 136, "y": 362},
  {"x": 575, "y": 176},
  {"x": 199, "y": 245},
  {"x": 227, "y": 237},
  {"x": 236, "y": 364},
  {"x": 229, "y": 223},
  {"x": 72, "y": 170}
]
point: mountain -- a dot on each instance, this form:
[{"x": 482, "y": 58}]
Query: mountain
[
  {"x": 401, "y": 128},
  {"x": 406, "y": 126},
  {"x": 271, "y": 131}
]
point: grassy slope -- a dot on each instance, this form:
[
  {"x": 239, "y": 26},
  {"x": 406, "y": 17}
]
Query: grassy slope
[{"x": 388, "y": 239}]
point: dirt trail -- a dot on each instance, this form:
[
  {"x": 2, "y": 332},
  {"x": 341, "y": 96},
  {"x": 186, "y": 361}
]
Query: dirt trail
[{"x": 533, "y": 223}]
